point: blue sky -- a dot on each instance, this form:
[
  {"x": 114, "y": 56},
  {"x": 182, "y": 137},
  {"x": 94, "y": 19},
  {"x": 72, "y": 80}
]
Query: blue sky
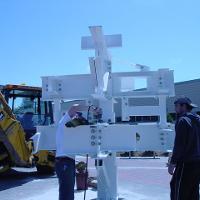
[{"x": 42, "y": 37}]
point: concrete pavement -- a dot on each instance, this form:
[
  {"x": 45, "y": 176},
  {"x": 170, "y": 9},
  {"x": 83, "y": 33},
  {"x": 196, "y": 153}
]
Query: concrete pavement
[{"x": 139, "y": 179}]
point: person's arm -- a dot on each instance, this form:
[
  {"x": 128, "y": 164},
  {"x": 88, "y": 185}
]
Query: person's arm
[
  {"x": 66, "y": 118},
  {"x": 71, "y": 113},
  {"x": 182, "y": 130}
]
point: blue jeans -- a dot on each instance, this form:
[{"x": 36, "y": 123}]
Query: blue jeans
[{"x": 65, "y": 170}]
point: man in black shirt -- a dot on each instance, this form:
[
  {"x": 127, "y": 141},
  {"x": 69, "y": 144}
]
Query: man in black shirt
[{"x": 185, "y": 161}]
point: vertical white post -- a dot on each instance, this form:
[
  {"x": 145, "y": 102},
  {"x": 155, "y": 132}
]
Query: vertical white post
[
  {"x": 125, "y": 115},
  {"x": 112, "y": 173},
  {"x": 108, "y": 111},
  {"x": 107, "y": 179},
  {"x": 57, "y": 111},
  {"x": 163, "y": 110}
]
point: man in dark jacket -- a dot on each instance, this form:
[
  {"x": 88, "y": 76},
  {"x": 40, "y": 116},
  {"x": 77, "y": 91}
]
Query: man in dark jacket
[{"x": 185, "y": 161}]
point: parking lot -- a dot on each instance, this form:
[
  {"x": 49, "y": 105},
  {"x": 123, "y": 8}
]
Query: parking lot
[{"x": 141, "y": 179}]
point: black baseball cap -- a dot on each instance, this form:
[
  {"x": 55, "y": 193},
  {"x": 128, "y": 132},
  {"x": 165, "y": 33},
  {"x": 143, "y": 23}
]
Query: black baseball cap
[{"x": 185, "y": 100}]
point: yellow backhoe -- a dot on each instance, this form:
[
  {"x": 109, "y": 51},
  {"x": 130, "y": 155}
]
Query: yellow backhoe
[{"x": 20, "y": 112}]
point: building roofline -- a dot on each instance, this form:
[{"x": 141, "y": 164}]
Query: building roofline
[{"x": 189, "y": 81}]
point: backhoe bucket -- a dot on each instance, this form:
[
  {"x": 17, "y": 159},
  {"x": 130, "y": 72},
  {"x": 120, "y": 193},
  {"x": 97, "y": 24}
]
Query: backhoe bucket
[{"x": 12, "y": 141}]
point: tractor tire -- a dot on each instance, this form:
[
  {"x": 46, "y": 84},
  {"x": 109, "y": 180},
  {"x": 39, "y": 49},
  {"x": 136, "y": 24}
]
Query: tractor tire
[
  {"x": 4, "y": 169},
  {"x": 5, "y": 163},
  {"x": 45, "y": 170}
]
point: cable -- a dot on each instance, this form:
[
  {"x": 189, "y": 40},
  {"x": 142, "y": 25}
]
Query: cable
[
  {"x": 86, "y": 177},
  {"x": 88, "y": 112}
]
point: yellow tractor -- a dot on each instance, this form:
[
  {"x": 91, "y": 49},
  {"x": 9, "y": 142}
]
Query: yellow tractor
[{"x": 21, "y": 110}]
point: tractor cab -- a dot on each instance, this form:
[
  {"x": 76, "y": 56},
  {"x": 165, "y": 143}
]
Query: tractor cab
[{"x": 27, "y": 106}]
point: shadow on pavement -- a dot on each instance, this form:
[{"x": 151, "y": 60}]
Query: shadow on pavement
[
  {"x": 15, "y": 178},
  {"x": 118, "y": 199}
]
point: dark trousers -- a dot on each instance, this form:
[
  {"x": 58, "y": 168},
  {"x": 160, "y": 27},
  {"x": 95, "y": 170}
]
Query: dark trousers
[
  {"x": 65, "y": 170},
  {"x": 185, "y": 181}
]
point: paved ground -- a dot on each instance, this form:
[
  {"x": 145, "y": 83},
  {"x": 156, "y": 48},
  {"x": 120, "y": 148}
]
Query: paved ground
[{"x": 139, "y": 179}]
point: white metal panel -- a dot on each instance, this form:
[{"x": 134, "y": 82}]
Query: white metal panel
[
  {"x": 80, "y": 140},
  {"x": 152, "y": 137},
  {"x": 87, "y": 42},
  {"x": 67, "y": 87},
  {"x": 114, "y": 138},
  {"x": 47, "y": 135},
  {"x": 119, "y": 137},
  {"x": 158, "y": 83},
  {"x": 143, "y": 111},
  {"x": 77, "y": 140}
]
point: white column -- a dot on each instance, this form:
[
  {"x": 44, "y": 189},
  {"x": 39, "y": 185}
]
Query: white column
[
  {"x": 57, "y": 111},
  {"x": 163, "y": 110},
  {"x": 107, "y": 179}
]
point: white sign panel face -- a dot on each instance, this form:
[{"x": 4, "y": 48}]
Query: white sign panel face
[
  {"x": 118, "y": 137},
  {"x": 156, "y": 83},
  {"x": 150, "y": 137},
  {"x": 76, "y": 140},
  {"x": 113, "y": 138},
  {"x": 67, "y": 87},
  {"x": 85, "y": 139}
]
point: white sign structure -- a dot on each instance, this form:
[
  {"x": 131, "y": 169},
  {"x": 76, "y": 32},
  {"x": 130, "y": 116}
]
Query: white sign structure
[{"x": 100, "y": 88}]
